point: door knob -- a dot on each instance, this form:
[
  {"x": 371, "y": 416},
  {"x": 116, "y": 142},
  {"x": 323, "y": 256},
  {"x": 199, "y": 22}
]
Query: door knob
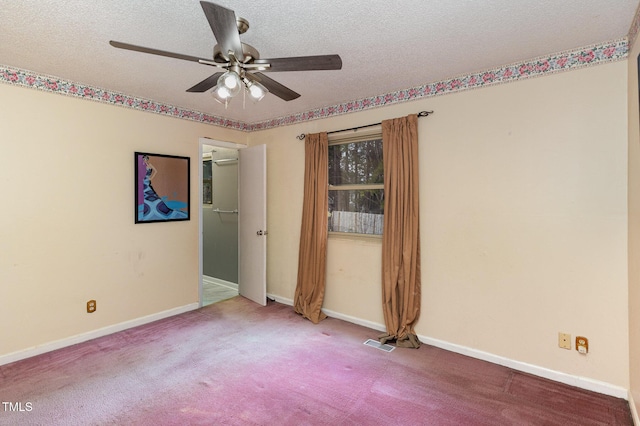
[{"x": 261, "y": 232}]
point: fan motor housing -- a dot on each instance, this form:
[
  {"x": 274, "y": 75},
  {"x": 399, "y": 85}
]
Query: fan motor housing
[{"x": 250, "y": 53}]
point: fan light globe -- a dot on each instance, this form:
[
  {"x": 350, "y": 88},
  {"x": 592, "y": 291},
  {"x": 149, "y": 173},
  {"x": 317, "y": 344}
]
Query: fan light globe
[
  {"x": 231, "y": 81},
  {"x": 223, "y": 92},
  {"x": 221, "y": 95},
  {"x": 256, "y": 92}
]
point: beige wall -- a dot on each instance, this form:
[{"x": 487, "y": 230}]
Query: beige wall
[
  {"x": 523, "y": 215},
  {"x": 523, "y": 192},
  {"x": 67, "y": 230},
  {"x": 634, "y": 226}
]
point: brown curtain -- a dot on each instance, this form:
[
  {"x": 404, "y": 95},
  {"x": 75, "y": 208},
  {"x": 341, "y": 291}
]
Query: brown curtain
[
  {"x": 401, "y": 232},
  {"x": 312, "y": 258}
]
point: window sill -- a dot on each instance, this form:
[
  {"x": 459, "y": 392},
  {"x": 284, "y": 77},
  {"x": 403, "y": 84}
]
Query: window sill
[{"x": 357, "y": 237}]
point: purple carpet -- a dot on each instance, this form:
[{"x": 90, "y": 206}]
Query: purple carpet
[{"x": 236, "y": 363}]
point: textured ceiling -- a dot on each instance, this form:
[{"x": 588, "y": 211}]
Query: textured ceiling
[{"x": 385, "y": 46}]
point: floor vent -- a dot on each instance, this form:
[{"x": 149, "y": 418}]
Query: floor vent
[{"x": 378, "y": 345}]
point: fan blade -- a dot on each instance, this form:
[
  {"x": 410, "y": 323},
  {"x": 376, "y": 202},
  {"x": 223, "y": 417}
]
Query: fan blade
[
  {"x": 206, "y": 84},
  {"x": 276, "y": 88},
  {"x": 135, "y": 48},
  {"x": 303, "y": 63},
  {"x": 225, "y": 29}
]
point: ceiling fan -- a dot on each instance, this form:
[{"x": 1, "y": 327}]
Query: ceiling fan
[{"x": 239, "y": 63}]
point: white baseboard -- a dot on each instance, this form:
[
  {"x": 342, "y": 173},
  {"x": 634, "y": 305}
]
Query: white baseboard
[
  {"x": 369, "y": 324},
  {"x": 218, "y": 281},
  {"x": 580, "y": 382},
  {"x": 634, "y": 410},
  {"x": 279, "y": 299},
  {"x": 83, "y": 337},
  {"x": 568, "y": 379},
  {"x": 333, "y": 314}
]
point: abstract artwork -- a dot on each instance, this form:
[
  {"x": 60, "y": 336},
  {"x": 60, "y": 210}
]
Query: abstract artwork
[{"x": 162, "y": 188}]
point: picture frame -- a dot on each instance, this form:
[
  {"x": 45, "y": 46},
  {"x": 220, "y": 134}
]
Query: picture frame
[{"x": 162, "y": 188}]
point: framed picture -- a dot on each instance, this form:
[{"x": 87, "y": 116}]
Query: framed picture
[{"x": 162, "y": 188}]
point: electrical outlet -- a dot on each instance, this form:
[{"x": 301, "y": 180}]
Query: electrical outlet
[
  {"x": 564, "y": 340},
  {"x": 91, "y": 306},
  {"x": 582, "y": 345}
]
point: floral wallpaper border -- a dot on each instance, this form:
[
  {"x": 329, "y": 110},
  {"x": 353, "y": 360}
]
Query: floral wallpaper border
[
  {"x": 568, "y": 60},
  {"x": 32, "y": 80}
]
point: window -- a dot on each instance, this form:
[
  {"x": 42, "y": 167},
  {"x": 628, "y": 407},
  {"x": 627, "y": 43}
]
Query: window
[
  {"x": 207, "y": 187},
  {"x": 356, "y": 184}
]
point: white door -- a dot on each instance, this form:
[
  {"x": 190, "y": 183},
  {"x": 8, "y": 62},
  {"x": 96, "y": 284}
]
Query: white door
[{"x": 252, "y": 223}]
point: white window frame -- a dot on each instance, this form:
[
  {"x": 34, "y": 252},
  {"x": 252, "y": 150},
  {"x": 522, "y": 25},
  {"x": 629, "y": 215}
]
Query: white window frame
[{"x": 342, "y": 138}]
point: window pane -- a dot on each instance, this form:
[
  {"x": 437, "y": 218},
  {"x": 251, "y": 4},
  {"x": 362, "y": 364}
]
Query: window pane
[
  {"x": 206, "y": 169},
  {"x": 207, "y": 188},
  {"x": 356, "y": 163},
  {"x": 356, "y": 211}
]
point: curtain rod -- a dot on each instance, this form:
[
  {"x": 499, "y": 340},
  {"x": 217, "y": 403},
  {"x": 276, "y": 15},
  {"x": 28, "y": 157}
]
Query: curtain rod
[{"x": 301, "y": 136}]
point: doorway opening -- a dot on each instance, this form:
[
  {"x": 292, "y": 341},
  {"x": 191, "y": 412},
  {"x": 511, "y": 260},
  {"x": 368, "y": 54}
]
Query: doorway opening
[
  {"x": 218, "y": 221},
  {"x": 249, "y": 217}
]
